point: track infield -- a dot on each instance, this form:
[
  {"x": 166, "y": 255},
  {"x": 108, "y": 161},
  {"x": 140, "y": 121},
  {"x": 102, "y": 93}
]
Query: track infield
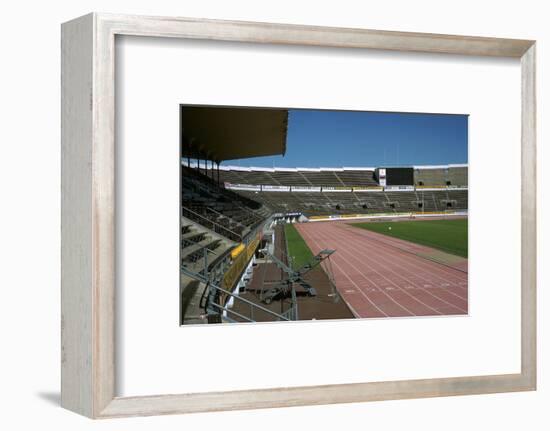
[
  {"x": 381, "y": 276},
  {"x": 298, "y": 250},
  {"x": 450, "y": 236}
]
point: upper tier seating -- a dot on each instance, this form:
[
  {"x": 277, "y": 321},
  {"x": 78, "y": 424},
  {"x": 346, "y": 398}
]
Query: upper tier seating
[
  {"x": 430, "y": 177},
  {"x": 357, "y": 178},
  {"x": 458, "y": 176},
  {"x": 243, "y": 177},
  {"x": 300, "y": 177}
]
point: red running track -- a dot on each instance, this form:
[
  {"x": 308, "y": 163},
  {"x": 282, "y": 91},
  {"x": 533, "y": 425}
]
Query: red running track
[{"x": 381, "y": 278}]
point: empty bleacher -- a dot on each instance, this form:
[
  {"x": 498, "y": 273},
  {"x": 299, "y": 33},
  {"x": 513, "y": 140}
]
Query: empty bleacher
[
  {"x": 288, "y": 178},
  {"x": 458, "y": 175},
  {"x": 218, "y": 209},
  {"x": 359, "y": 177},
  {"x": 322, "y": 178},
  {"x": 430, "y": 176},
  {"x": 235, "y": 213},
  {"x": 214, "y": 220},
  {"x": 247, "y": 177},
  {"x": 298, "y": 177},
  {"x": 437, "y": 176},
  {"x": 203, "y": 254},
  {"x": 232, "y": 177},
  {"x": 200, "y": 248},
  {"x": 334, "y": 203},
  {"x": 442, "y": 200}
]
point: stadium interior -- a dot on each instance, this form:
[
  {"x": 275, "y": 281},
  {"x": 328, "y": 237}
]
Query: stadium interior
[{"x": 234, "y": 259}]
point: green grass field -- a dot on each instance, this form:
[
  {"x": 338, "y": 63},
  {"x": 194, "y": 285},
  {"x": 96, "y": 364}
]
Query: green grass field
[
  {"x": 297, "y": 247},
  {"x": 450, "y": 236}
]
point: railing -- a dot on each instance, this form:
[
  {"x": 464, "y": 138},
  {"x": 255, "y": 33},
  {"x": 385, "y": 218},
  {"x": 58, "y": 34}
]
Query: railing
[
  {"x": 210, "y": 265},
  {"x": 253, "y": 213},
  {"x": 212, "y": 225},
  {"x": 219, "y": 214},
  {"x": 211, "y": 303},
  {"x": 209, "y": 185},
  {"x": 214, "y": 271},
  {"x": 213, "y": 306}
]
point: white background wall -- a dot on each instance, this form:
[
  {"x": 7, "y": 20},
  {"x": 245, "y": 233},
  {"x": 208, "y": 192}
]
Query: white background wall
[{"x": 29, "y": 218}]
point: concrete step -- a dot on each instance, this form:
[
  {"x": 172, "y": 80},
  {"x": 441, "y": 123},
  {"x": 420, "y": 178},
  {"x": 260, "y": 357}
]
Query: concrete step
[{"x": 207, "y": 242}]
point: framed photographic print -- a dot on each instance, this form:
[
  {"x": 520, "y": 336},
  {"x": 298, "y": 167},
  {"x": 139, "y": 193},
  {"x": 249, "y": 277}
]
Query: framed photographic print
[
  {"x": 261, "y": 215},
  {"x": 281, "y": 243}
]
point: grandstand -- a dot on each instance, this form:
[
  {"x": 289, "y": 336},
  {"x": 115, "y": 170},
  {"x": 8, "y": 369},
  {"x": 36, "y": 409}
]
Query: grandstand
[
  {"x": 348, "y": 190},
  {"x": 313, "y": 204},
  {"x": 449, "y": 175},
  {"x": 233, "y": 254},
  {"x": 222, "y": 210},
  {"x": 458, "y": 175},
  {"x": 305, "y": 177}
]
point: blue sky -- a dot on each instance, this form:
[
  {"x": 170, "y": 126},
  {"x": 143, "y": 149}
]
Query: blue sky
[{"x": 369, "y": 139}]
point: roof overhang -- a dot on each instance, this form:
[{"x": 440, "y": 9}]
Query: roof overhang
[{"x": 220, "y": 133}]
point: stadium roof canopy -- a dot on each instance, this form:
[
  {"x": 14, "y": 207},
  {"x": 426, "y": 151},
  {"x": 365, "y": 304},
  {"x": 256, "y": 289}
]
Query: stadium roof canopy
[{"x": 218, "y": 133}]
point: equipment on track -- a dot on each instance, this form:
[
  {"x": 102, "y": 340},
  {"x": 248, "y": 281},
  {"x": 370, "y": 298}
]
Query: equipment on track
[{"x": 287, "y": 287}]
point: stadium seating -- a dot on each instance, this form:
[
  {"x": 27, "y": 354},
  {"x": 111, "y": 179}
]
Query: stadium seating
[
  {"x": 235, "y": 213},
  {"x": 200, "y": 248},
  {"x": 361, "y": 178},
  {"x": 218, "y": 209},
  {"x": 321, "y": 178},
  {"x": 430, "y": 176},
  {"x": 203, "y": 254},
  {"x": 334, "y": 203},
  {"x": 458, "y": 175},
  {"x": 213, "y": 221},
  {"x": 298, "y": 177},
  {"x": 288, "y": 178},
  {"x": 247, "y": 177}
]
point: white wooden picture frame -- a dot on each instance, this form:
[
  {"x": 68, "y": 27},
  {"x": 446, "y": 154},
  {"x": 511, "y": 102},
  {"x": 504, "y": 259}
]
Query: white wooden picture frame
[{"x": 88, "y": 215}]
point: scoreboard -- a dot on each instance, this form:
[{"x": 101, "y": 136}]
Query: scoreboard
[{"x": 395, "y": 176}]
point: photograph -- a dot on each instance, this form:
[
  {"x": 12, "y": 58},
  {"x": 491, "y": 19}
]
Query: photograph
[
  {"x": 309, "y": 214},
  {"x": 257, "y": 216}
]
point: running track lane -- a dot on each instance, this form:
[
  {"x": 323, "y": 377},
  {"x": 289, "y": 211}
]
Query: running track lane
[{"x": 377, "y": 279}]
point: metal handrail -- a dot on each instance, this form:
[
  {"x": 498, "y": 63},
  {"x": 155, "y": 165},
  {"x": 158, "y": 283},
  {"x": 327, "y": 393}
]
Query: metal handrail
[
  {"x": 206, "y": 277},
  {"x": 228, "y": 310},
  {"x": 224, "y": 216},
  {"x": 251, "y": 211},
  {"x": 246, "y": 301},
  {"x": 255, "y": 228},
  {"x": 232, "y": 235}
]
